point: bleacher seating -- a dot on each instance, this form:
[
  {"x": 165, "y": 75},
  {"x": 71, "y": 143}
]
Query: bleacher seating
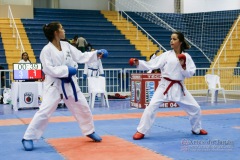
[
  {"x": 102, "y": 34},
  {"x": 86, "y": 23},
  {"x": 218, "y": 26},
  {"x": 3, "y": 62},
  {"x": 162, "y": 35}
]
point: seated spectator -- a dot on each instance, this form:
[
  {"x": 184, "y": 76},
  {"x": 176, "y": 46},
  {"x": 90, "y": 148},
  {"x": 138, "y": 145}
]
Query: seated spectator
[
  {"x": 2, "y": 84},
  {"x": 74, "y": 41},
  {"x": 25, "y": 58},
  {"x": 81, "y": 44},
  {"x": 2, "y": 77}
]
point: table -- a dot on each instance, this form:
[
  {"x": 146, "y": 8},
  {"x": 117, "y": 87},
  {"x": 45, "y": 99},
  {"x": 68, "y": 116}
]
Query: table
[
  {"x": 143, "y": 86},
  {"x": 26, "y": 94}
]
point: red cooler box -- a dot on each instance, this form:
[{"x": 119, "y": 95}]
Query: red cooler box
[{"x": 143, "y": 86}]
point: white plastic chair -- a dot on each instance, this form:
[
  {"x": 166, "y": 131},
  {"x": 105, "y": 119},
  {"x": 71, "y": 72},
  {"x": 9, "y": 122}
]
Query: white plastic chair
[
  {"x": 213, "y": 82},
  {"x": 97, "y": 85}
]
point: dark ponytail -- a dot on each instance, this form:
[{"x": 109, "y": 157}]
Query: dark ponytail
[
  {"x": 27, "y": 56},
  {"x": 49, "y": 29},
  {"x": 181, "y": 38}
]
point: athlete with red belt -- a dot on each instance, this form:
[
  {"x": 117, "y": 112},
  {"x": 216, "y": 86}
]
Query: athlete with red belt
[{"x": 175, "y": 66}]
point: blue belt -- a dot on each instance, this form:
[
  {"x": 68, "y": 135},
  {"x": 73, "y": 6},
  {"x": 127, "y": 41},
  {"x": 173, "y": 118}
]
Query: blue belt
[
  {"x": 93, "y": 70},
  {"x": 69, "y": 80}
]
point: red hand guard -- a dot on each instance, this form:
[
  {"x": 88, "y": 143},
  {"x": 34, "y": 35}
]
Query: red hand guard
[
  {"x": 131, "y": 61},
  {"x": 183, "y": 57}
]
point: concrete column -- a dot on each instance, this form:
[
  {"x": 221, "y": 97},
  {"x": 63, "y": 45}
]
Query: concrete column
[{"x": 54, "y": 4}]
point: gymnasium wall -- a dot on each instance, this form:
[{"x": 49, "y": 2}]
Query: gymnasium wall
[
  {"x": 193, "y": 6},
  {"x": 188, "y": 6},
  {"x": 162, "y": 6},
  {"x": 72, "y": 4},
  {"x": 84, "y": 4},
  {"x": 20, "y": 8}
]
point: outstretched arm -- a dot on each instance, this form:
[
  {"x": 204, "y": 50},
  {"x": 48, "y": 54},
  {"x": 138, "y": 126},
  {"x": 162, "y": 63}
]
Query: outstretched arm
[
  {"x": 80, "y": 57},
  {"x": 155, "y": 63}
]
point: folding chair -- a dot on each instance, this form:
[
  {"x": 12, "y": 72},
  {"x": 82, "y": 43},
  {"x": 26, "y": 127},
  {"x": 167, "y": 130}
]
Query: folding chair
[
  {"x": 97, "y": 85},
  {"x": 213, "y": 82}
]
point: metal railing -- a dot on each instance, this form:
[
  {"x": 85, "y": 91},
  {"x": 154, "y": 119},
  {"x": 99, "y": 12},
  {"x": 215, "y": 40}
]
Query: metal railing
[
  {"x": 118, "y": 80},
  {"x": 114, "y": 80},
  {"x": 15, "y": 30}
]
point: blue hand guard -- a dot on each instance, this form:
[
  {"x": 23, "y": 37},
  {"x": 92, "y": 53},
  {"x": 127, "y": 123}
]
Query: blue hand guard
[
  {"x": 84, "y": 76},
  {"x": 71, "y": 71},
  {"x": 104, "y": 52}
]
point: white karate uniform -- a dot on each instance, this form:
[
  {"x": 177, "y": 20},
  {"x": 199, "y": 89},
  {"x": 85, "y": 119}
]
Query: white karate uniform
[
  {"x": 22, "y": 61},
  {"x": 172, "y": 69},
  {"x": 93, "y": 69},
  {"x": 55, "y": 65}
]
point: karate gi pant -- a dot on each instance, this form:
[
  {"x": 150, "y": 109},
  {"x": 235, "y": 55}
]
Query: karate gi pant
[
  {"x": 187, "y": 102},
  {"x": 79, "y": 109}
]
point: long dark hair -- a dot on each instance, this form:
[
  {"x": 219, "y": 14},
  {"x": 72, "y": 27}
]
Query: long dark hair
[
  {"x": 49, "y": 30},
  {"x": 181, "y": 38},
  {"x": 27, "y": 56}
]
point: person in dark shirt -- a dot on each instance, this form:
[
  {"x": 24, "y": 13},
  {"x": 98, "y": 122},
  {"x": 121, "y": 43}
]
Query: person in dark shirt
[
  {"x": 2, "y": 77},
  {"x": 2, "y": 84}
]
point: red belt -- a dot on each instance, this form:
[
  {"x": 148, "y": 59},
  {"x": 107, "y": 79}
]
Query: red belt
[{"x": 170, "y": 85}]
